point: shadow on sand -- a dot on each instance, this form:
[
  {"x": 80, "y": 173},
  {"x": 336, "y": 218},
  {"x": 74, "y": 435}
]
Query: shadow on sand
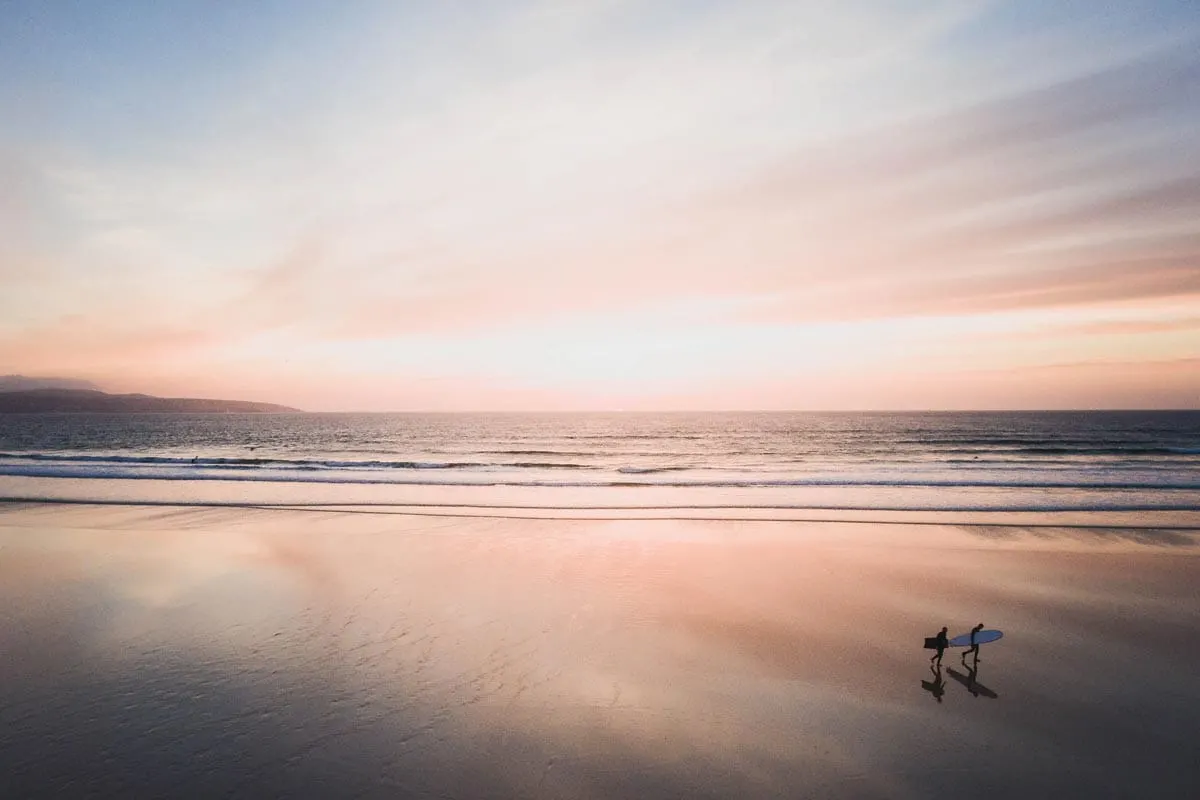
[{"x": 970, "y": 680}]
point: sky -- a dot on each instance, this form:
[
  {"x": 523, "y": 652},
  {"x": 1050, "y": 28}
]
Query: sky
[{"x": 605, "y": 204}]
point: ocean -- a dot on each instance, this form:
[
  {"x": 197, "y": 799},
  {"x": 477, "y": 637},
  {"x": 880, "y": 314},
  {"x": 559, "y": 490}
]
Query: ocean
[{"x": 1011, "y": 461}]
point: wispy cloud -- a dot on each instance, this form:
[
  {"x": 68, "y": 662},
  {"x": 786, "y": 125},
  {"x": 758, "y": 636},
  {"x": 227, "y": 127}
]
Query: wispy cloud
[{"x": 391, "y": 190}]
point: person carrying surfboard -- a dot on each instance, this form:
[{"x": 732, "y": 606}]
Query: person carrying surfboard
[
  {"x": 974, "y": 644},
  {"x": 940, "y": 643}
]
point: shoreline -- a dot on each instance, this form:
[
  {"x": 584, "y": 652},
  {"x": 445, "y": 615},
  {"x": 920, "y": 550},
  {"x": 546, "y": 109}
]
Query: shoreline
[
  {"x": 1177, "y": 530},
  {"x": 1043, "y": 508}
]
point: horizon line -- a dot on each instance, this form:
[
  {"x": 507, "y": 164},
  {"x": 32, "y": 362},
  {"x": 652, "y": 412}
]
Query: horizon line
[{"x": 762, "y": 411}]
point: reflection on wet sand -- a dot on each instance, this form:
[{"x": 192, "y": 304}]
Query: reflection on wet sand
[
  {"x": 937, "y": 686},
  {"x": 1182, "y": 537},
  {"x": 971, "y": 679},
  {"x": 210, "y": 652}
]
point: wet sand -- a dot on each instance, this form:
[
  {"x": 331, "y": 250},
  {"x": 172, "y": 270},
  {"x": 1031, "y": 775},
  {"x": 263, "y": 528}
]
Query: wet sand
[{"x": 217, "y": 652}]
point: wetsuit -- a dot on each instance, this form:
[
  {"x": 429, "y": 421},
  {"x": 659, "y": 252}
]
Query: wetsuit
[{"x": 941, "y": 643}]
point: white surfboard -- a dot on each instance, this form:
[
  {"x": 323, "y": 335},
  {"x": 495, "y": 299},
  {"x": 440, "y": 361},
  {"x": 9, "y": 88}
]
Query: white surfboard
[{"x": 983, "y": 637}]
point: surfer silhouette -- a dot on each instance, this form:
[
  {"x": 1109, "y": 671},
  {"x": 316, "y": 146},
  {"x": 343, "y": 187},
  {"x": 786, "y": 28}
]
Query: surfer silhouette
[
  {"x": 974, "y": 651},
  {"x": 937, "y": 686},
  {"x": 940, "y": 643}
]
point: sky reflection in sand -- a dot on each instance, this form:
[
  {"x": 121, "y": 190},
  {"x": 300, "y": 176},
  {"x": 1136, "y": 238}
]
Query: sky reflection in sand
[{"x": 325, "y": 653}]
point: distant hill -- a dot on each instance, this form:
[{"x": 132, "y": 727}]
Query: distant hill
[
  {"x": 20, "y": 383},
  {"x": 89, "y": 400}
]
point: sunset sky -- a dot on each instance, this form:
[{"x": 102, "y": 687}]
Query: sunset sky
[{"x": 605, "y": 205}]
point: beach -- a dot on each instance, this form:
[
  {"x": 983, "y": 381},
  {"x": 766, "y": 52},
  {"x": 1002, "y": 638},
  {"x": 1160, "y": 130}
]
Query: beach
[
  {"x": 178, "y": 651},
  {"x": 600, "y": 401}
]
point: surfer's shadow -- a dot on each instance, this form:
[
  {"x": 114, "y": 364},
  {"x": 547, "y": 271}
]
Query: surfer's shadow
[
  {"x": 970, "y": 680},
  {"x": 968, "y": 677}
]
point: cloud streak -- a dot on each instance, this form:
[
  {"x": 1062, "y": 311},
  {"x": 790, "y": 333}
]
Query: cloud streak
[{"x": 387, "y": 194}]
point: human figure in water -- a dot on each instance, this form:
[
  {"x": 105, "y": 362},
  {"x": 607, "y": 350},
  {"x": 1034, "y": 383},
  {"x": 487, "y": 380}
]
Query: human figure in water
[
  {"x": 937, "y": 686},
  {"x": 940, "y": 643},
  {"x": 974, "y": 651}
]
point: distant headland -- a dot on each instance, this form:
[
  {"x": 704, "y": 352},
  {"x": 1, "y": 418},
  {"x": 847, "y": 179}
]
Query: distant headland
[
  {"x": 33, "y": 401},
  {"x": 19, "y": 383}
]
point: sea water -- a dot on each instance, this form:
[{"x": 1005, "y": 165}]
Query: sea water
[{"x": 1010, "y": 461}]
